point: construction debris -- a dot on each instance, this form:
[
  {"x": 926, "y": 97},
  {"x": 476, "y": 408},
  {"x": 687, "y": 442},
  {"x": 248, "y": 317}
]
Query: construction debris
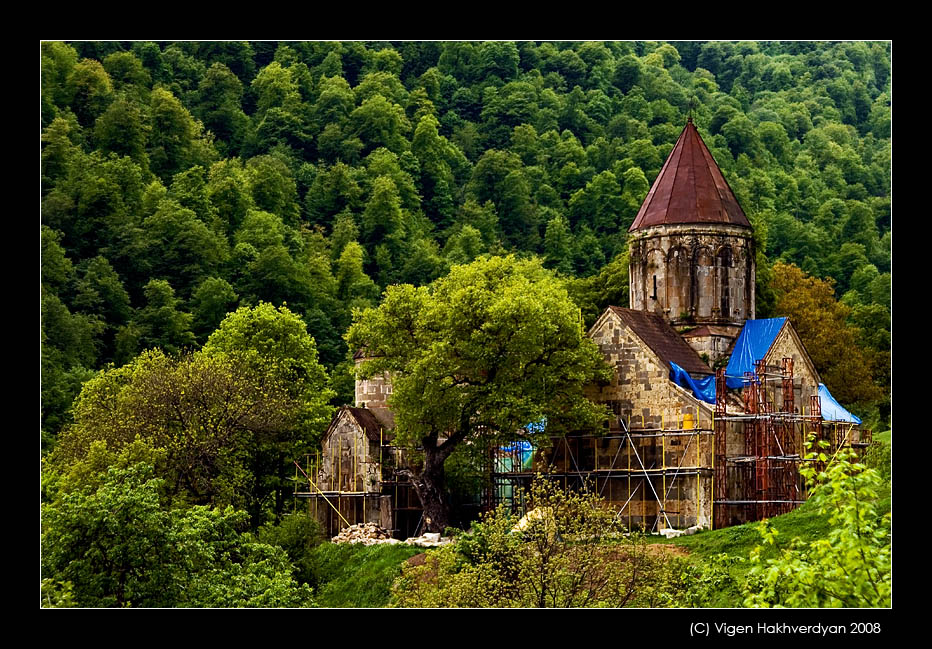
[
  {"x": 671, "y": 533},
  {"x": 429, "y": 540},
  {"x": 365, "y": 533},
  {"x": 372, "y": 534}
]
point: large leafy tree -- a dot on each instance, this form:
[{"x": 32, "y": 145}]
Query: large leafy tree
[
  {"x": 274, "y": 343},
  {"x": 204, "y": 411},
  {"x": 119, "y": 545},
  {"x": 821, "y": 322},
  {"x": 230, "y": 417},
  {"x": 475, "y": 357}
]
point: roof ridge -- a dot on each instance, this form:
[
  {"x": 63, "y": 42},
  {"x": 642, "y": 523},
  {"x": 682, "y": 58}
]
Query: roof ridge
[{"x": 691, "y": 175}]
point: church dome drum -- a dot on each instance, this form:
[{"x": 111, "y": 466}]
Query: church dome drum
[{"x": 692, "y": 255}]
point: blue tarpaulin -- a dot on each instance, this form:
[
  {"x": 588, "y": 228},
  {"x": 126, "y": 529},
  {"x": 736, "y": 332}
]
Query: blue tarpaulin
[
  {"x": 537, "y": 426},
  {"x": 752, "y": 345},
  {"x": 703, "y": 389},
  {"x": 521, "y": 452},
  {"x": 520, "y": 457},
  {"x": 832, "y": 410}
]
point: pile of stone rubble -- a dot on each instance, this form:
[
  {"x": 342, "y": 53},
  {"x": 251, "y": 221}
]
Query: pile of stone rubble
[
  {"x": 672, "y": 534},
  {"x": 372, "y": 534},
  {"x": 365, "y": 533}
]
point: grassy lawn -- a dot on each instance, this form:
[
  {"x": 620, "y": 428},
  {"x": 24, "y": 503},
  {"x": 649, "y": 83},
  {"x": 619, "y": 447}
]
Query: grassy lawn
[
  {"x": 357, "y": 575},
  {"x": 804, "y": 522}
]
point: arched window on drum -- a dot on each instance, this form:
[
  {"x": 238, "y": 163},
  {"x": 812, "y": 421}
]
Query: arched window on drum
[{"x": 725, "y": 263}]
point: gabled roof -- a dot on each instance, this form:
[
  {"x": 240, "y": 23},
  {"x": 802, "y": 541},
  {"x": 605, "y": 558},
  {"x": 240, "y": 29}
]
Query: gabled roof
[
  {"x": 369, "y": 421},
  {"x": 707, "y": 330},
  {"x": 690, "y": 189},
  {"x": 663, "y": 340}
]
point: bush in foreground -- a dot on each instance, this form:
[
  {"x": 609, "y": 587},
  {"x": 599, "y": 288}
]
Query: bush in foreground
[{"x": 569, "y": 551}]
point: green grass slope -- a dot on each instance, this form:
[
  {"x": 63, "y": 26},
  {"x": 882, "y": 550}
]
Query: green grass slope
[
  {"x": 805, "y": 523},
  {"x": 357, "y": 576}
]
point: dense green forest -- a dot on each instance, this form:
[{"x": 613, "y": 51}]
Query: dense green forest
[{"x": 292, "y": 182}]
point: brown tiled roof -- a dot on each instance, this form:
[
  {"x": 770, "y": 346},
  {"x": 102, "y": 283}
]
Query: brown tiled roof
[
  {"x": 385, "y": 417},
  {"x": 689, "y": 189},
  {"x": 369, "y": 422},
  {"x": 662, "y": 339},
  {"x": 707, "y": 330}
]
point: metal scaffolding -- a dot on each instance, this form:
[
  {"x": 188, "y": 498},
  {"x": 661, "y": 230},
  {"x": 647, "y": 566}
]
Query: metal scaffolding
[
  {"x": 742, "y": 466},
  {"x": 759, "y": 451},
  {"x": 651, "y": 476},
  {"x": 737, "y": 463},
  {"x": 338, "y": 495}
]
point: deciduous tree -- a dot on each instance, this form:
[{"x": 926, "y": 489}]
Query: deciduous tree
[
  {"x": 120, "y": 546},
  {"x": 820, "y": 321},
  {"x": 476, "y": 356}
]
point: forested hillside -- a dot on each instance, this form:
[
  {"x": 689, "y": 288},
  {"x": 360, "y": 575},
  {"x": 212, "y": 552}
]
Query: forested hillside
[{"x": 183, "y": 180}]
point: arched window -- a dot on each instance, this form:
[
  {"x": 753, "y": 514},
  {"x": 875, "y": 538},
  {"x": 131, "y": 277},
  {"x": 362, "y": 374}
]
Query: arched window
[
  {"x": 725, "y": 264},
  {"x": 678, "y": 284}
]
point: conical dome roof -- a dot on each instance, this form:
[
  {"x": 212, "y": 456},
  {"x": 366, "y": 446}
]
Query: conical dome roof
[{"x": 689, "y": 189}]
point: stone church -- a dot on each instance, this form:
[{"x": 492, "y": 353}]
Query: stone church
[{"x": 711, "y": 406}]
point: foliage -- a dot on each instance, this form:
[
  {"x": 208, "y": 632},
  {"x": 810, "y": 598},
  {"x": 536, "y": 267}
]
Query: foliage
[
  {"x": 154, "y": 153},
  {"x": 850, "y": 567},
  {"x": 181, "y": 181},
  {"x": 478, "y": 354},
  {"x": 298, "y": 535},
  {"x": 569, "y": 551},
  {"x": 820, "y": 321},
  {"x": 210, "y": 413},
  {"x": 274, "y": 342},
  {"x": 118, "y": 545}
]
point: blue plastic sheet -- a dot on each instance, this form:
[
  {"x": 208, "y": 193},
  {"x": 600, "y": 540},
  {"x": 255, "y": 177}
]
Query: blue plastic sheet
[
  {"x": 832, "y": 410},
  {"x": 521, "y": 456},
  {"x": 521, "y": 452},
  {"x": 537, "y": 426},
  {"x": 703, "y": 389},
  {"x": 752, "y": 345}
]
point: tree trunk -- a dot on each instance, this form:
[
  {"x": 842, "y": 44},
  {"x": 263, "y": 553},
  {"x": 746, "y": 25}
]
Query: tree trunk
[{"x": 429, "y": 486}]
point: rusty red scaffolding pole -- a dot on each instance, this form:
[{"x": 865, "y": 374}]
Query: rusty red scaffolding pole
[
  {"x": 790, "y": 473},
  {"x": 762, "y": 446},
  {"x": 719, "y": 475},
  {"x": 815, "y": 414},
  {"x": 746, "y": 473}
]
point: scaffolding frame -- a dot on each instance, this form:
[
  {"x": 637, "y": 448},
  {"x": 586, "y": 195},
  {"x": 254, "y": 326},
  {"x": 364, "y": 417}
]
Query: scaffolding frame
[
  {"x": 337, "y": 504},
  {"x": 751, "y": 457},
  {"x": 765, "y": 479},
  {"x": 645, "y": 462},
  {"x": 739, "y": 466}
]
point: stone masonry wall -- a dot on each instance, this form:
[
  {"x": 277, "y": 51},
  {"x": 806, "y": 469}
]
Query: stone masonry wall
[
  {"x": 349, "y": 459},
  {"x": 374, "y": 391},
  {"x": 640, "y": 388},
  {"x": 699, "y": 273},
  {"x": 642, "y": 394},
  {"x": 786, "y": 345}
]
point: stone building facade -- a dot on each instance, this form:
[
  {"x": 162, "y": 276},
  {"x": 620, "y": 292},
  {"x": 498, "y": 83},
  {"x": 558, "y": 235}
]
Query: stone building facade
[
  {"x": 693, "y": 274},
  {"x": 671, "y": 456}
]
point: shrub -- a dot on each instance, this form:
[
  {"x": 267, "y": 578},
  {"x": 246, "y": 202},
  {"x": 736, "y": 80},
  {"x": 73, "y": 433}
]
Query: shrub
[
  {"x": 569, "y": 551},
  {"x": 848, "y": 568}
]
